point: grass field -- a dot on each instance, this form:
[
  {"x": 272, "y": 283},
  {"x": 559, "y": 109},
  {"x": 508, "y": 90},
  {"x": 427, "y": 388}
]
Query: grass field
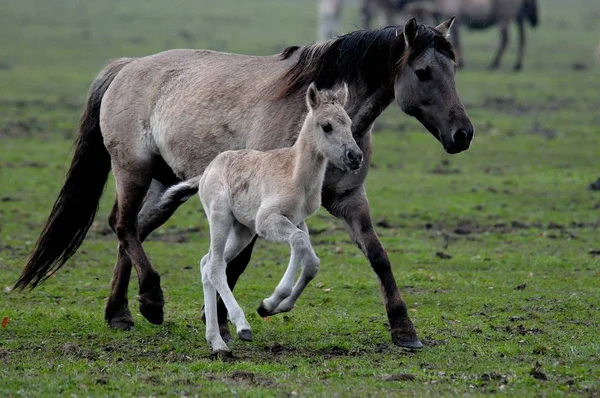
[{"x": 491, "y": 248}]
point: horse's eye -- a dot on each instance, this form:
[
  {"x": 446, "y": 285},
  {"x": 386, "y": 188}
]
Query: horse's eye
[
  {"x": 327, "y": 127},
  {"x": 423, "y": 74}
]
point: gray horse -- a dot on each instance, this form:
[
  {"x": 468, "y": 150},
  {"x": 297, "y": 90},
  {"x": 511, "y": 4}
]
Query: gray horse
[{"x": 161, "y": 119}]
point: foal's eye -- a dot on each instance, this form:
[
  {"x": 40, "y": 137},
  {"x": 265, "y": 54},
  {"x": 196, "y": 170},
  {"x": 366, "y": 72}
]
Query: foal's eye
[
  {"x": 423, "y": 74},
  {"x": 327, "y": 127}
]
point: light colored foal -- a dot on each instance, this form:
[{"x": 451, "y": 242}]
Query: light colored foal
[{"x": 271, "y": 193}]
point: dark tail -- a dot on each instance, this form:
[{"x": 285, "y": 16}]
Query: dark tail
[
  {"x": 529, "y": 11},
  {"x": 77, "y": 203}
]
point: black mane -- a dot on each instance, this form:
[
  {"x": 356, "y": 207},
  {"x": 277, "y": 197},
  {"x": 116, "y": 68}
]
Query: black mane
[{"x": 373, "y": 56}]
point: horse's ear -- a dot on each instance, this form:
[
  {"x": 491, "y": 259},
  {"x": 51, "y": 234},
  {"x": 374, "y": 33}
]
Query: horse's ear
[
  {"x": 312, "y": 96},
  {"x": 342, "y": 94},
  {"x": 410, "y": 32},
  {"x": 444, "y": 27}
]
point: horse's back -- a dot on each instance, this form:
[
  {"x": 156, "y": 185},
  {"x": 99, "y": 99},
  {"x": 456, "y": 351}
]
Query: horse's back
[{"x": 187, "y": 106}]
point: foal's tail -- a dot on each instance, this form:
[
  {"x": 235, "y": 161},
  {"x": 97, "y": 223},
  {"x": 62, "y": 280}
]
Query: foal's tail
[
  {"x": 179, "y": 193},
  {"x": 529, "y": 11},
  {"x": 77, "y": 203}
]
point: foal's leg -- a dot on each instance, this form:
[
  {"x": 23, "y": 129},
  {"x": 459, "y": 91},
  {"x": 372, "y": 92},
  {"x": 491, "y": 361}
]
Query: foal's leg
[
  {"x": 353, "y": 208},
  {"x": 235, "y": 268},
  {"x": 278, "y": 228},
  {"x": 226, "y": 239},
  {"x": 310, "y": 267},
  {"x": 151, "y": 217},
  {"x": 521, "y": 51},
  {"x": 213, "y": 336},
  {"x": 132, "y": 185},
  {"x": 503, "y": 42}
]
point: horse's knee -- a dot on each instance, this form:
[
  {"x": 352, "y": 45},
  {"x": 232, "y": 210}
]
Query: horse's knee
[
  {"x": 300, "y": 242},
  {"x": 311, "y": 267}
]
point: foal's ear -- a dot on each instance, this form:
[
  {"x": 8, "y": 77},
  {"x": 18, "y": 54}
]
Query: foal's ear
[
  {"x": 410, "y": 32},
  {"x": 444, "y": 27},
  {"x": 342, "y": 94},
  {"x": 312, "y": 96}
]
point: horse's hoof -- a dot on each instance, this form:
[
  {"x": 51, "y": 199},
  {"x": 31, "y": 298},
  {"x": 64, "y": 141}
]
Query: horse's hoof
[
  {"x": 406, "y": 336},
  {"x": 151, "y": 307},
  {"x": 221, "y": 353},
  {"x": 413, "y": 344},
  {"x": 121, "y": 324},
  {"x": 262, "y": 311},
  {"x": 517, "y": 67},
  {"x": 493, "y": 66},
  {"x": 245, "y": 335},
  {"x": 117, "y": 315}
]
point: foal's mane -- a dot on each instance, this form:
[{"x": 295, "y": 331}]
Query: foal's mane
[{"x": 368, "y": 55}]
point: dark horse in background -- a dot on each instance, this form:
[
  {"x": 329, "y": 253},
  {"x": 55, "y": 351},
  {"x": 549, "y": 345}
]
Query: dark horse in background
[
  {"x": 161, "y": 119},
  {"x": 473, "y": 14}
]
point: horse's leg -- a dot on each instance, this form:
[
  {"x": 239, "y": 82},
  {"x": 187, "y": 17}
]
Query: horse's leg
[
  {"x": 310, "y": 267},
  {"x": 329, "y": 19},
  {"x": 151, "y": 217},
  {"x": 455, "y": 34},
  {"x": 117, "y": 312},
  {"x": 503, "y": 42},
  {"x": 133, "y": 182},
  {"x": 278, "y": 228},
  {"x": 522, "y": 39},
  {"x": 226, "y": 239},
  {"x": 366, "y": 14},
  {"x": 235, "y": 268},
  {"x": 213, "y": 337},
  {"x": 353, "y": 209}
]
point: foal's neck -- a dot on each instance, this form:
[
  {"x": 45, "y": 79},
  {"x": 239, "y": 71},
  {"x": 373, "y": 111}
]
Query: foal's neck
[{"x": 309, "y": 162}]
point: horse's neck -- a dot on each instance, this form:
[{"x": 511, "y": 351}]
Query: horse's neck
[
  {"x": 366, "y": 107},
  {"x": 309, "y": 162}
]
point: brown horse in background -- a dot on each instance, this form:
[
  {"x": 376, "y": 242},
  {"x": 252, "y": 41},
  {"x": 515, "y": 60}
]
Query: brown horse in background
[{"x": 474, "y": 14}]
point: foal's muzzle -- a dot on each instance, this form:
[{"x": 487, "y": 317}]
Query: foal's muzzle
[{"x": 353, "y": 159}]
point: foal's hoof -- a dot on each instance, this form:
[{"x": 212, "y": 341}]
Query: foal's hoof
[
  {"x": 245, "y": 335},
  {"x": 221, "y": 354},
  {"x": 262, "y": 311},
  {"x": 151, "y": 306}
]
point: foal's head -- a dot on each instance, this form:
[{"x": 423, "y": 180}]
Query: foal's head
[{"x": 332, "y": 126}]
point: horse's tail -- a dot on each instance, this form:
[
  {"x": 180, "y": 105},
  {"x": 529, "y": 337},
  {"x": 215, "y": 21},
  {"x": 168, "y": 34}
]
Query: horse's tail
[
  {"x": 529, "y": 11},
  {"x": 77, "y": 203}
]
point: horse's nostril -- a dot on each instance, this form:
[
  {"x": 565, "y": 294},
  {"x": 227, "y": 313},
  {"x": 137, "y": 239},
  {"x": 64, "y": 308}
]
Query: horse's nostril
[
  {"x": 461, "y": 137},
  {"x": 353, "y": 156}
]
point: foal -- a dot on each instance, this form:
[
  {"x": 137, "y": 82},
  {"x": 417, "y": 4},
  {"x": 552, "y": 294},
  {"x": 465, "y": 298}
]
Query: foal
[{"x": 271, "y": 193}]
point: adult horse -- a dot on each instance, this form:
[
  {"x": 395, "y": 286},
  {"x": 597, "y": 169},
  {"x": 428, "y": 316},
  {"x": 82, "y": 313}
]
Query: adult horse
[
  {"x": 473, "y": 14},
  {"x": 160, "y": 119}
]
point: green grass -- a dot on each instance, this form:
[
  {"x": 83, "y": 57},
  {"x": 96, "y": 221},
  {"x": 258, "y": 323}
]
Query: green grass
[{"x": 514, "y": 213}]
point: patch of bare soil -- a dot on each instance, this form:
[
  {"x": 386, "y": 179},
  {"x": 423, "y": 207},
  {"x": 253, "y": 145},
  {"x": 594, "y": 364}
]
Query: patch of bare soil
[
  {"x": 242, "y": 377},
  {"x": 537, "y": 372},
  {"x": 401, "y": 377}
]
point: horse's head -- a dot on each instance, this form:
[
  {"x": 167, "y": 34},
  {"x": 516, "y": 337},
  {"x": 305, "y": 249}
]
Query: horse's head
[{"x": 425, "y": 85}]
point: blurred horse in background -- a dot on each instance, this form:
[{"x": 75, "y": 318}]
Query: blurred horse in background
[{"x": 474, "y": 14}]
